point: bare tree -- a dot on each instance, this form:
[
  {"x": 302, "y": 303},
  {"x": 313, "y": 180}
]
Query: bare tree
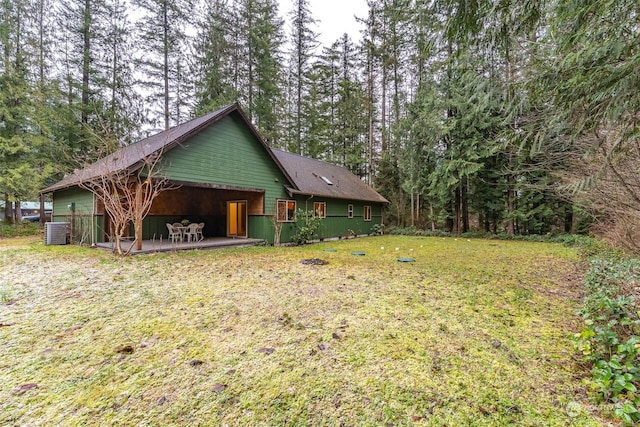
[
  {"x": 611, "y": 189},
  {"x": 127, "y": 195},
  {"x": 277, "y": 223}
]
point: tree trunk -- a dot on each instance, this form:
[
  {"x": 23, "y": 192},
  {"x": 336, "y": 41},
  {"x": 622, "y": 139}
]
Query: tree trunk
[
  {"x": 18, "y": 212},
  {"x": 456, "y": 212},
  {"x": 370, "y": 96},
  {"x": 249, "y": 60},
  {"x": 165, "y": 71},
  {"x": 8, "y": 213},
  {"x": 42, "y": 212},
  {"x": 41, "y": 44},
  {"x": 464, "y": 207},
  {"x": 86, "y": 60},
  {"x": 510, "y": 204},
  {"x": 413, "y": 221},
  {"x": 433, "y": 223}
]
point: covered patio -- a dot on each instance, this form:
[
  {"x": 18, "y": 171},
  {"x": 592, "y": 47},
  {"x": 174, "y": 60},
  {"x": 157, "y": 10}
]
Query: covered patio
[
  {"x": 164, "y": 245},
  {"x": 215, "y": 206}
]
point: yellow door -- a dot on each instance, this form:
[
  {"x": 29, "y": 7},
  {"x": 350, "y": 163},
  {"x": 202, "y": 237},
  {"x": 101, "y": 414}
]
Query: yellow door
[{"x": 237, "y": 219}]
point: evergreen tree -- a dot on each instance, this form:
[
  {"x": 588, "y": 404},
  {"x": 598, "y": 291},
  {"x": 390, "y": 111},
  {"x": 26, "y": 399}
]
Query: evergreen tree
[
  {"x": 22, "y": 165},
  {"x": 304, "y": 41},
  {"x": 79, "y": 22},
  {"x": 592, "y": 84},
  {"x": 162, "y": 32},
  {"x": 350, "y": 114},
  {"x": 120, "y": 104},
  {"x": 267, "y": 39},
  {"x": 318, "y": 120},
  {"x": 213, "y": 65}
]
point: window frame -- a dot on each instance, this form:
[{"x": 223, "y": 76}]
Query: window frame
[
  {"x": 350, "y": 210},
  {"x": 286, "y": 204},
  {"x": 323, "y": 210},
  {"x": 366, "y": 214}
]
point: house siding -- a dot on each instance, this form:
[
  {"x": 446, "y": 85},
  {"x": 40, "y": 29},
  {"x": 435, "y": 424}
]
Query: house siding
[
  {"x": 83, "y": 224},
  {"x": 228, "y": 156},
  {"x": 337, "y": 224},
  {"x": 227, "y": 153}
]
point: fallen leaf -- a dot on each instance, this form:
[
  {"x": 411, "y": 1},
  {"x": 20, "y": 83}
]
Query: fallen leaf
[
  {"x": 314, "y": 261},
  {"x": 127, "y": 349},
  {"x": 266, "y": 350},
  {"x": 25, "y": 388},
  {"x": 218, "y": 388}
]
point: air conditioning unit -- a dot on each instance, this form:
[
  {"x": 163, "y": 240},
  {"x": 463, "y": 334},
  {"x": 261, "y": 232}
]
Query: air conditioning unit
[{"x": 56, "y": 233}]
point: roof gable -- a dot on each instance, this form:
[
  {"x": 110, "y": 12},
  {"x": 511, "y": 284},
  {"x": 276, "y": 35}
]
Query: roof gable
[
  {"x": 131, "y": 157},
  {"x": 318, "y": 178},
  {"x": 304, "y": 175}
]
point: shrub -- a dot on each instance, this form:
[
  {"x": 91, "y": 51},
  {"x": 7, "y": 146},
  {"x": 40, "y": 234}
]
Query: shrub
[
  {"x": 402, "y": 231},
  {"x": 307, "y": 226},
  {"x": 609, "y": 339},
  {"x": 377, "y": 229},
  {"x": 21, "y": 229}
]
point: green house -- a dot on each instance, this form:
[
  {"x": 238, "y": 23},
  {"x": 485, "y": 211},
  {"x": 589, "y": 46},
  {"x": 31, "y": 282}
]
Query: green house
[{"x": 223, "y": 174}]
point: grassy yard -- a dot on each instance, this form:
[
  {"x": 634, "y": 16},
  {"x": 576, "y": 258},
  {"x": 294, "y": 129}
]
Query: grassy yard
[{"x": 471, "y": 333}]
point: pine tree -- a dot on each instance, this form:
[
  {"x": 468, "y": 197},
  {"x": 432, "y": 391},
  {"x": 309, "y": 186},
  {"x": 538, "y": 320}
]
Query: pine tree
[
  {"x": 267, "y": 39},
  {"x": 121, "y": 106},
  {"x": 350, "y": 114},
  {"x": 592, "y": 85},
  {"x": 79, "y": 22},
  {"x": 22, "y": 143},
  {"x": 162, "y": 32},
  {"x": 304, "y": 41},
  {"x": 213, "y": 65},
  {"x": 321, "y": 117}
]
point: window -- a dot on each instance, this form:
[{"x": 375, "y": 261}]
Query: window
[
  {"x": 326, "y": 180},
  {"x": 286, "y": 210},
  {"x": 350, "y": 211},
  {"x": 320, "y": 209},
  {"x": 367, "y": 213}
]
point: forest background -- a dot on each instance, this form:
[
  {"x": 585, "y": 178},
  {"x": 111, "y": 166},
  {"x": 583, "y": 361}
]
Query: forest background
[{"x": 488, "y": 116}]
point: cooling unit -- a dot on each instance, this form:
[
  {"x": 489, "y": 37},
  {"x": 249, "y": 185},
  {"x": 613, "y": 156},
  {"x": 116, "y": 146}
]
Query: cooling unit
[{"x": 56, "y": 233}]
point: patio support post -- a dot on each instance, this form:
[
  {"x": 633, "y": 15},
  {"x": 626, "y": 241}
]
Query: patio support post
[{"x": 137, "y": 225}]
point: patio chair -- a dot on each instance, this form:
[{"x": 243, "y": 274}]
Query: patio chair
[
  {"x": 200, "y": 236},
  {"x": 175, "y": 234},
  {"x": 191, "y": 232}
]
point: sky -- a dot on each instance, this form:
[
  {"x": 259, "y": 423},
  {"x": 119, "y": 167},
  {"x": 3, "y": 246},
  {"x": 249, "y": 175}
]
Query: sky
[{"x": 335, "y": 17}]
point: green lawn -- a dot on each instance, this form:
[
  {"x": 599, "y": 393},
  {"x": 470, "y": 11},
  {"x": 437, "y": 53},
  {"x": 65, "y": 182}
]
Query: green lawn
[{"x": 474, "y": 332}]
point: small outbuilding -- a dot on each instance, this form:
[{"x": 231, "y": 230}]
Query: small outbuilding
[{"x": 223, "y": 174}]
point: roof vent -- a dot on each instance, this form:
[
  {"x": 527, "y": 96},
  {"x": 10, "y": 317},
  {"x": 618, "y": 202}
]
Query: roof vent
[{"x": 326, "y": 180}]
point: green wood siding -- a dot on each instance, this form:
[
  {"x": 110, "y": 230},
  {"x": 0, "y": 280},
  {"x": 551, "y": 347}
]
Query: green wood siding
[
  {"x": 83, "y": 226},
  {"x": 81, "y": 199},
  {"x": 336, "y": 224},
  {"x": 227, "y": 153}
]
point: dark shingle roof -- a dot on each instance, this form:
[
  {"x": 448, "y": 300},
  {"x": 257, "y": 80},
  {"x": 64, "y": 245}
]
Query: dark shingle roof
[
  {"x": 306, "y": 176},
  {"x": 130, "y": 157},
  {"x": 318, "y": 178}
]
